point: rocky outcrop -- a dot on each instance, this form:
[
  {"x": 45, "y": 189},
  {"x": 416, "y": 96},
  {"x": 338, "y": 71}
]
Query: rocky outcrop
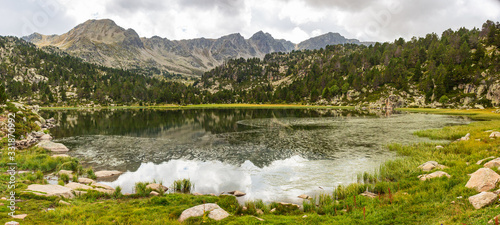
[
  {"x": 51, "y": 190},
  {"x": 436, "y": 174},
  {"x": 53, "y": 147},
  {"x": 483, "y": 199},
  {"x": 215, "y": 212},
  {"x": 483, "y": 179},
  {"x": 107, "y": 173}
]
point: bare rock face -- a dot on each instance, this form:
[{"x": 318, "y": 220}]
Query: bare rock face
[
  {"x": 425, "y": 177},
  {"x": 216, "y": 212},
  {"x": 106, "y": 173},
  {"x": 483, "y": 179},
  {"x": 157, "y": 187},
  {"x": 493, "y": 163},
  {"x": 53, "y": 147},
  {"x": 482, "y": 199},
  {"x": 51, "y": 190}
]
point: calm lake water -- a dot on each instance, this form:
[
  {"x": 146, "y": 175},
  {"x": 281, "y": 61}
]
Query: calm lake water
[{"x": 271, "y": 154}]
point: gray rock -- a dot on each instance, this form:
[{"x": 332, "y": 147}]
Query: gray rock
[
  {"x": 484, "y": 179},
  {"x": 51, "y": 190},
  {"x": 53, "y": 147},
  {"x": 482, "y": 199},
  {"x": 216, "y": 212}
]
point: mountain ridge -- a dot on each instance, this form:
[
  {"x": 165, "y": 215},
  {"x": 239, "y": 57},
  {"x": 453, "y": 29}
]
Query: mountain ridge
[{"x": 105, "y": 43}]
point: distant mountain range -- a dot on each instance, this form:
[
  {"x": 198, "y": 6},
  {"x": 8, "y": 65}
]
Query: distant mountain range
[{"x": 105, "y": 43}]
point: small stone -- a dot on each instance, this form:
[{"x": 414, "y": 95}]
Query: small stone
[
  {"x": 3, "y": 198},
  {"x": 428, "y": 166},
  {"x": 272, "y": 210},
  {"x": 244, "y": 208},
  {"x": 259, "y": 212},
  {"x": 303, "y": 196},
  {"x": 154, "y": 193},
  {"x": 259, "y": 219},
  {"x": 46, "y": 137},
  {"x": 304, "y": 216},
  {"x": 64, "y": 202},
  {"x": 464, "y": 138},
  {"x": 20, "y": 216},
  {"x": 483, "y": 199},
  {"x": 452, "y": 202},
  {"x": 197, "y": 194},
  {"x": 439, "y": 147}
]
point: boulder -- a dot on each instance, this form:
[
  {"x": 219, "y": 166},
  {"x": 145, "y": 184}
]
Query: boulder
[
  {"x": 51, "y": 190},
  {"x": 85, "y": 180},
  {"x": 482, "y": 160},
  {"x": 75, "y": 186},
  {"x": 369, "y": 194},
  {"x": 428, "y": 166},
  {"x": 12, "y": 223},
  {"x": 67, "y": 172},
  {"x": 433, "y": 175},
  {"x": 46, "y": 137},
  {"x": 484, "y": 179},
  {"x": 157, "y": 187},
  {"x": 53, "y": 147},
  {"x": 493, "y": 163},
  {"x": 60, "y": 156},
  {"x": 495, "y": 134},
  {"x": 215, "y": 212},
  {"x": 482, "y": 199},
  {"x": 154, "y": 193},
  {"x": 107, "y": 173},
  {"x": 303, "y": 196},
  {"x": 237, "y": 193},
  {"x": 464, "y": 138},
  {"x": 64, "y": 202}
]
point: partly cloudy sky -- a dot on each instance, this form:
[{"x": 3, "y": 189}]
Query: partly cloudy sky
[{"x": 294, "y": 20}]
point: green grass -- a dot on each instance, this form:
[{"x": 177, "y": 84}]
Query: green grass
[
  {"x": 401, "y": 197},
  {"x": 214, "y": 106}
]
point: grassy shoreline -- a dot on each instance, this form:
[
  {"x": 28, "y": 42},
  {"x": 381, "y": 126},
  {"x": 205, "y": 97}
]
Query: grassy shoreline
[
  {"x": 204, "y": 106},
  {"x": 402, "y": 197}
]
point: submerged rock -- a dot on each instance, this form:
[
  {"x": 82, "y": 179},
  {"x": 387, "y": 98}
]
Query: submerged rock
[
  {"x": 216, "y": 212},
  {"x": 433, "y": 175},
  {"x": 484, "y": 179},
  {"x": 482, "y": 199},
  {"x": 51, "y": 190},
  {"x": 53, "y": 147}
]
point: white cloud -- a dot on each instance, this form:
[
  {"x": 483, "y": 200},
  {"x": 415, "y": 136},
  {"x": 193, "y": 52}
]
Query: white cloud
[{"x": 293, "y": 20}]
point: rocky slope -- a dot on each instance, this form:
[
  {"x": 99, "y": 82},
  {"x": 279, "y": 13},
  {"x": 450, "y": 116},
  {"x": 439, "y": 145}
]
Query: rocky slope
[{"x": 105, "y": 43}]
